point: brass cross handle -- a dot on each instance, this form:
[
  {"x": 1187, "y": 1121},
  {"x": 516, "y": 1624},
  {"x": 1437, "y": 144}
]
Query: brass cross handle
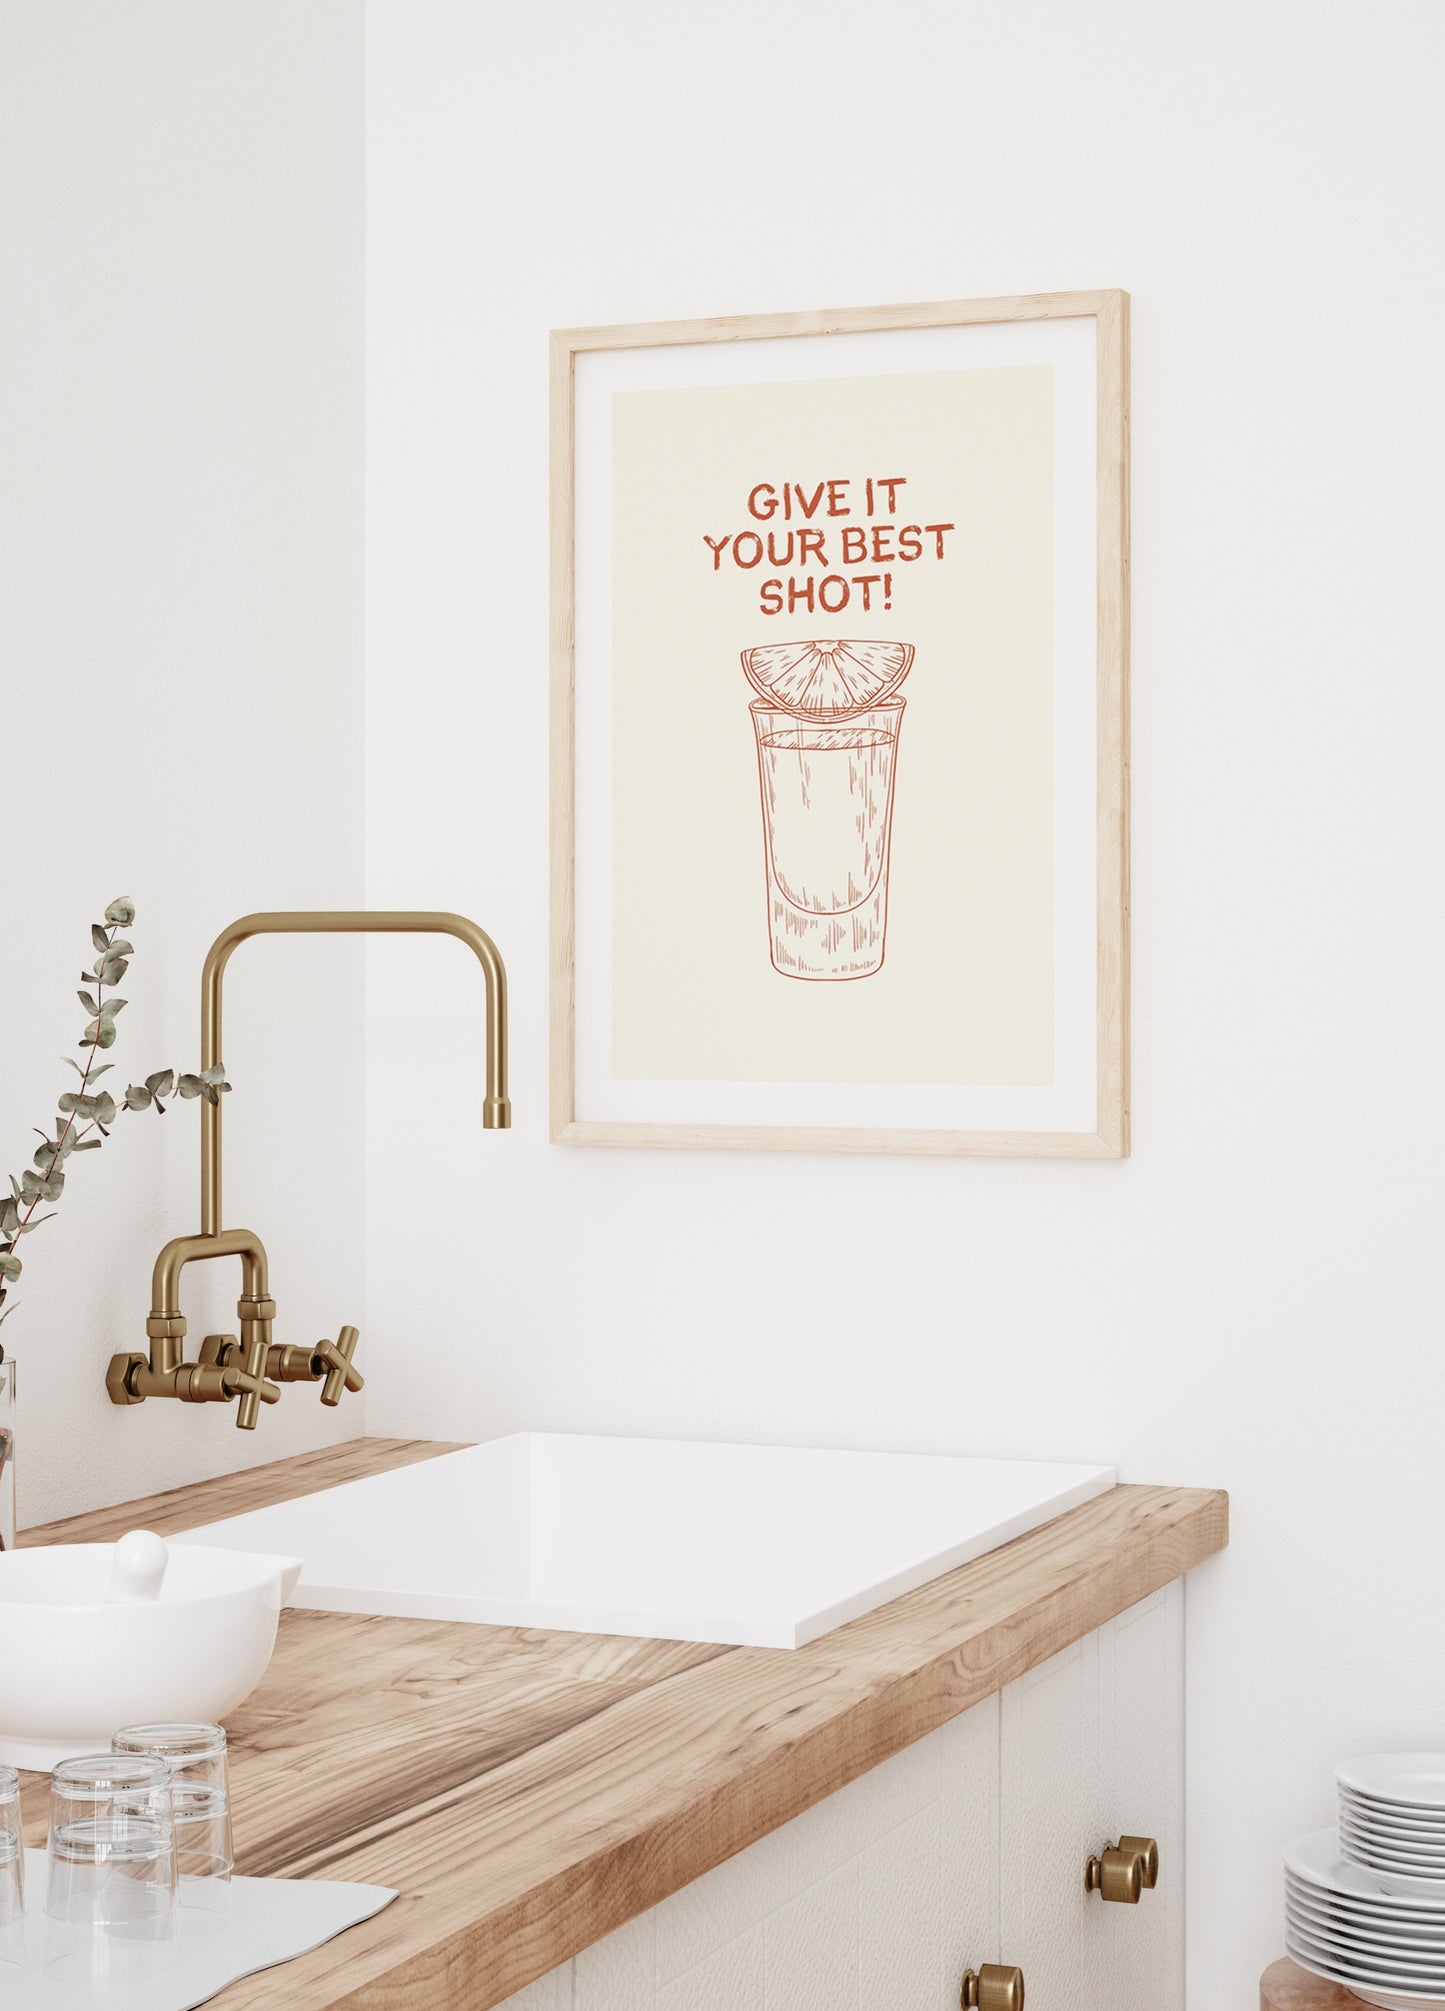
[
  {"x": 244, "y": 1375},
  {"x": 994, "y": 1986},
  {"x": 341, "y": 1373},
  {"x": 1124, "y": 1870}
]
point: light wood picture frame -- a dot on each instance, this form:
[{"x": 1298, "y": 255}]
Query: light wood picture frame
[{"x": 649, "y": 425}]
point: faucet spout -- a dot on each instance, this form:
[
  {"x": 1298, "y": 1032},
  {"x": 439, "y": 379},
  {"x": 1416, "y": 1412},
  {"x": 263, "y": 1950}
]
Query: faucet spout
[{"x": 496, "y": 1106}]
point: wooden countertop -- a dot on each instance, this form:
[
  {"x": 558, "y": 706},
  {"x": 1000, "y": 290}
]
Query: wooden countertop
[{"x": 528, "y": 1792}]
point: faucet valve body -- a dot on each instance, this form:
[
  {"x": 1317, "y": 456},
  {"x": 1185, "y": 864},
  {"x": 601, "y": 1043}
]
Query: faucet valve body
[
  {"x": 245, "y": 1372},
  {"x": 226, "y": 1369}
]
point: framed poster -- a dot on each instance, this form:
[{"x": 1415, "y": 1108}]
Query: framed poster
[{"x": 839, "y": 730}]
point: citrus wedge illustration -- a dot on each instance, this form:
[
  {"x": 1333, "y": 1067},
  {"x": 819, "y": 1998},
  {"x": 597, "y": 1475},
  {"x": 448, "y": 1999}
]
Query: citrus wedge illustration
[{"x": 827, "y": 680}]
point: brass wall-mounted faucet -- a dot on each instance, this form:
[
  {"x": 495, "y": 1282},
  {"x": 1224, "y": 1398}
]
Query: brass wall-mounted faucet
[{"x": 252, "y": 1366}]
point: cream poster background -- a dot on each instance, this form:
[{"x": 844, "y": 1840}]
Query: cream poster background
[{"x": 965, "y": 993}]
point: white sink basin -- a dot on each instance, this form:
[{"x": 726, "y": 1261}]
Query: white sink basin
[{"x": 761, "y": 1546}]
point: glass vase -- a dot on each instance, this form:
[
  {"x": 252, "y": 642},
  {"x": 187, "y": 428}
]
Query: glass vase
[{"x": 7, "y": 1454}]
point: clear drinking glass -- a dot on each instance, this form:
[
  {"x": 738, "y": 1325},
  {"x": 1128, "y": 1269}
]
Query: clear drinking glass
[
  {"x": 110, "y": 1898},
  {"x": 827, "y": 795},
  {"x": 195, "y": 1757},
  {"x": 12, "y": 1876}
]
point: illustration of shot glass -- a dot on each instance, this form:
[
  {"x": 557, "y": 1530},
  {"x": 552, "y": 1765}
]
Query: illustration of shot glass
[{"x": 827, "y": 722}]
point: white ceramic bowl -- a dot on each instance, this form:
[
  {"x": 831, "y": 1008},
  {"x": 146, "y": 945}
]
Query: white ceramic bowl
[{"x": 74, "y": 1669}]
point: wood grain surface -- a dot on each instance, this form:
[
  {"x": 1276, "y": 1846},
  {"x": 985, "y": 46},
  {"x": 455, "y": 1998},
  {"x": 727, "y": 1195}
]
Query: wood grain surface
[
  {"x": 1284, "y": 1986},
  {"x": 527, "y": 1792}
]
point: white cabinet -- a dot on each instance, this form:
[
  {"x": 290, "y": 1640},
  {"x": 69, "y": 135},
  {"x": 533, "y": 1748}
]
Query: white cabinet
[{"x": 968, "y": 1847}]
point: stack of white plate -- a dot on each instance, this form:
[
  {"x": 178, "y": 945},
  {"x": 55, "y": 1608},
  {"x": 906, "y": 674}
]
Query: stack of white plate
[
  {"x": 1365, "y": 1905},
  {"x": 1392, "y": 1814}
]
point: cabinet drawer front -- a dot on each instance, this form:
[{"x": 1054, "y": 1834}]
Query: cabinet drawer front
[
  {"x": 1092, "y": 1747},
  {"x": 1136, "y": 1953},
  {"x": 1049, "y": 1759}
]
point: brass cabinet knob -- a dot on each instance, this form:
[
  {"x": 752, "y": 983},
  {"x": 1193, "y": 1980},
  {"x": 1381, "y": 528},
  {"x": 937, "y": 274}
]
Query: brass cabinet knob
[
  {"x": 1124, "y": 1870},
  {"x": 1147, "y": 1852},
  {"x": 994, "y": 1986}
]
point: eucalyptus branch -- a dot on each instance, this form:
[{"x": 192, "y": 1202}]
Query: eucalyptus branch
[{"x": 84, "y": 1112}]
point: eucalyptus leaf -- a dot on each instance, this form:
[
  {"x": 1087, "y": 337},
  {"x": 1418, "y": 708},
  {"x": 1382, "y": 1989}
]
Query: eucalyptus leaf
[{"x": 86, "y": 1113}]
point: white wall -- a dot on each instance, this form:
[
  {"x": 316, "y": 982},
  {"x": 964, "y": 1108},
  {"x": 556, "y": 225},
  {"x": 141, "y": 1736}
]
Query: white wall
[
  {"x": 1250, "y": 1301},
  {"x": 180, "y": 672}
]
